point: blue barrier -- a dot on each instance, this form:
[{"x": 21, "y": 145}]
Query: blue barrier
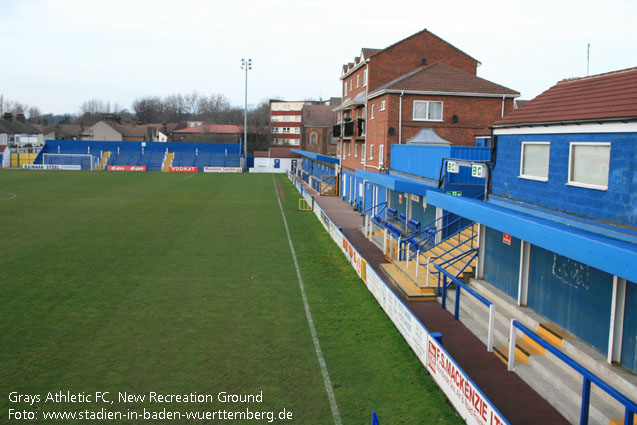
[{"x": 631, "y": 406}]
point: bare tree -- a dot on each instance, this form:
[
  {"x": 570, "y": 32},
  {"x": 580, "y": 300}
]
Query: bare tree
[
  {"x": 213, "y": 107},
  {"x": 15, "y": 107},
  {"x": 149, "y": 109},
  {"x": 175, "y": 107},
  {"x": 34, "y": 113},
  {"x": 192, "y": 103}
]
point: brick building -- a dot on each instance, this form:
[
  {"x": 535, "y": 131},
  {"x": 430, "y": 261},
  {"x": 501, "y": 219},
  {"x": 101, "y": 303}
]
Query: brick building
[
  {"x": 317, "y": 128},
  {"x": 419, "y": 83},
  {"x": 285, "y": 121}
]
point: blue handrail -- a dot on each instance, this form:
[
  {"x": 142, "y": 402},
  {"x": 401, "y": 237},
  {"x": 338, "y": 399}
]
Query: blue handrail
[
  {"x": 459, "y": 286},
  {"x": 375, "y": 206},
  {"x": 631, "y": 406}
]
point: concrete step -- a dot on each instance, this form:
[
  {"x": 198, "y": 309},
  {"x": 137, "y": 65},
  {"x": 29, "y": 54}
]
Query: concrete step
[
  {"x": 409, "y": 290},
  {"x": 546, "y": 372}
]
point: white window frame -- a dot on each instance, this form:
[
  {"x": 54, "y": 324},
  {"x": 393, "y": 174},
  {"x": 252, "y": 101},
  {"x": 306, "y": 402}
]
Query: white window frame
[
  {"x": 382, "y": 105},
  {"x": 381, "y": 154},
  {"x": 571, "y": 182},
  {"x": 350, "y": 84},
  {"x": 349, "y": 149},
  {"x": 358, "y": 81},
  {"x": 364, "y": 78},
  {"x": 344, "y": 88},
  {"x": 371, "y": 112},
  {"x": 362, "y": 154},
  {"x": 355, "y": 150},
  {"x": 371, "y": 151},
  {"x": 427, "y": 102},
  {"x": 530, "y": 176}
]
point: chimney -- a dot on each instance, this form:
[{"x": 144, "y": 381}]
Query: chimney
[
  {"x": 8, "y": 116},
  {"x": 20, "y": 118}
]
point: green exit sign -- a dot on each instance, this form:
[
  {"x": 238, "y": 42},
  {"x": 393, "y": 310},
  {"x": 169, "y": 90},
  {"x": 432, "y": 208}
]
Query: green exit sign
[{"x": 454, "y": 193}]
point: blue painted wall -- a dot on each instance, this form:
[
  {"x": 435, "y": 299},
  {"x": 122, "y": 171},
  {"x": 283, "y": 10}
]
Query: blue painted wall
[
  {"x": 425, "y": 161},
  {"x": 629, "y": 339},
  {"x": 618, "y": 204},
  {"x": 502, "y": 262},
  {"x": 571, "y": 294}
]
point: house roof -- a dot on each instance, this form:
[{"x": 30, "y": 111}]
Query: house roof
[
  {"x": 261, "y": 154},
  {"x": 318, "y": 116},
  {"x": 131, "y": 130},
  {"x": 282, "y": 152},
  {"x": 609, "y": 96},
  {"x": 441, "y": 78},
  {"x": 369, "y": 52},
  {"x": 17, "y": 127},
  {"x": 63, "y": 131},
  {"x": 212, "y": 128}
]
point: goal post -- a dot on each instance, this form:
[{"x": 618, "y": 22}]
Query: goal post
[{"x": 70, "y": 161}]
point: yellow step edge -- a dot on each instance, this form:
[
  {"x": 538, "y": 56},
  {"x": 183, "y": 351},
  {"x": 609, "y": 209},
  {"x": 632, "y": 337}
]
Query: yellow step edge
[
  {"x": 552, "y": 334},
  {"x": 502, "y": 352},
  {"x": 621, "y": 421}
]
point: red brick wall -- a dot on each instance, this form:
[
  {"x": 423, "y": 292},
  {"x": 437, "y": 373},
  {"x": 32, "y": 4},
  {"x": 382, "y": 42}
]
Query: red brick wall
[
  {"x": 407, "y": 55},
  {"x": 475, "y": 115}
]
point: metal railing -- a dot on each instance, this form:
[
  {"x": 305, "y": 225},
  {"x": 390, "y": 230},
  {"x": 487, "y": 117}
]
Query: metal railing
[
  {"x": 459, "y": 287},
  {"x": 631, "y": 406}
]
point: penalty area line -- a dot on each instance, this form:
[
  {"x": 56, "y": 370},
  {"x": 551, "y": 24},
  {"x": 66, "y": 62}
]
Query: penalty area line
[{"x": 317, "y": 346}]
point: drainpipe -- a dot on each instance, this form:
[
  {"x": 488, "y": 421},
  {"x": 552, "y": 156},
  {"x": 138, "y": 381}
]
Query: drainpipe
[
  {"x": 400, "y": 118},
  {"x": 502, "y": 113}
]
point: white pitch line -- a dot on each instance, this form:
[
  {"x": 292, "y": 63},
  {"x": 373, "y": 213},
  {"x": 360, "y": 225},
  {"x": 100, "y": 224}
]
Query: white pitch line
[
  {"x": 11, "y": 196},
  {"x": 190, "y": 176},
  {"x": 317, "y": 346}
]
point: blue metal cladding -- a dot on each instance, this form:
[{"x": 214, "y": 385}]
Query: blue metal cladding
[
  {"x": 575, "y": 296},
  {"x": 425, "y": 161},
  {"x": 502, "y": 262},
  {"x": 617, "y": 204},
  {"x": 629, "y": 338}
]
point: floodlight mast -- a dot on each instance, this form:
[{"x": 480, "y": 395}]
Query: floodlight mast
[{"x": 246, "y": 65}]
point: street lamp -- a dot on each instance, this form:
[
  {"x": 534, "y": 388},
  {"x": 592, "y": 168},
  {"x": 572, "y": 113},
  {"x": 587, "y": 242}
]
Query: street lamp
[{"x": 246, "y": 65}]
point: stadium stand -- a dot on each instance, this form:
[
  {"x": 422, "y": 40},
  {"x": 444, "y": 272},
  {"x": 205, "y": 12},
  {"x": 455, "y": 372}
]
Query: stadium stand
[{"x": 155, "y": 156}]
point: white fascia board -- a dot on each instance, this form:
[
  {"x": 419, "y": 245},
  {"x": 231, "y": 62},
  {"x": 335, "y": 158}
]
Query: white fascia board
[
  {"x": 557, "y": 128},
  {"x": 440, "y": 93}
]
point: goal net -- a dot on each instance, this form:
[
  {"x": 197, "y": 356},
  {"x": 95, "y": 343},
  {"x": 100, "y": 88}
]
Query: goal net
[{"x": 70, "y": 161}]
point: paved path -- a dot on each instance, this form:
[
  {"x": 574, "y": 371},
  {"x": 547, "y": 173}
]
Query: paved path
[{"x": 517, "y": 402}]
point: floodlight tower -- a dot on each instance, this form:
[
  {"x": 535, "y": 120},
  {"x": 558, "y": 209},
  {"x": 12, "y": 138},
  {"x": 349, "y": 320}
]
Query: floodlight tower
[{"x": 246, "y": 65}]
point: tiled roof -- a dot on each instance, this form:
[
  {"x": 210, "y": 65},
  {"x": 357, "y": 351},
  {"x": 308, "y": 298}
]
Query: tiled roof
[
  {"x": 438, "y": 77},
  {"x": 261, "y": 154},
  {"x": 606, "y": 96},
  {"x": 282, "y": 152},
  {"x": 212, "y": 128},
  {"x": 369, "y": 52}
]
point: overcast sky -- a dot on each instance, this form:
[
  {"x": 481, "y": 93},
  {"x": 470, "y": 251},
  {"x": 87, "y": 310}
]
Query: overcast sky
[{"x": 60, "y": 53}]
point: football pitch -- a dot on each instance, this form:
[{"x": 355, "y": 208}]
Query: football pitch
[{"x": 131, "y": 294}]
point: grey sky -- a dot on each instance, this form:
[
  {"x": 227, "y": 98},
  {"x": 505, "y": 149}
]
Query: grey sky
[{"x": 60, "y": 53}]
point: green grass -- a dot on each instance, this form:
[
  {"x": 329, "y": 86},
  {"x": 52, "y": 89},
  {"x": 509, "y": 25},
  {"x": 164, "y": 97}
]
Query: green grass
[{"x": 182, "y": 283}]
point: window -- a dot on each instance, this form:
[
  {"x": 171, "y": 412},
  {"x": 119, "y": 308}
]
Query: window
[
  {"x": 362, "y": 154},
  {"x": 427, "y": 111},
  {"x": 313, "y": 138},
  {"x": 345, "y": 88},
  {"x": 588, "y": 165},
  {"x": 534, "y": 160},
  {"x": 350, "y": 84},
  {"x": 297, "y": 130},
  {"x": 371, "y": 152},
  {"x": 355, "y": 150},
  {"x": 371, "y": 112},
  {"x": 382, "y": 105},
  {"x": 364, "y": 78},
  {"x": 358, "y": 80},
  {"x": 381, "y": 152},
  {"x": 349, "y": 149},
  {"x": 286, "y": 129}
]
